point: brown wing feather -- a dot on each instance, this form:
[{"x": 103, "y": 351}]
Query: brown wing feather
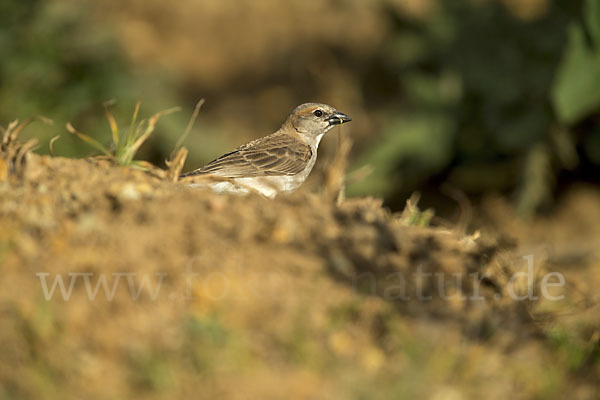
[{"x": 277, "y": 154}]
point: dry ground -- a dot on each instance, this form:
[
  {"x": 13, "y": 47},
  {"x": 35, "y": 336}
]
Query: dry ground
[{"x": 293, "y": 298}]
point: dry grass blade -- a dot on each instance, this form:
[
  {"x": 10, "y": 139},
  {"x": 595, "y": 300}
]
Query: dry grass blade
[
  {"x": 51, "y": 144},
  {"x": 114, "y": 128},
  {"x": 176, "y": 164},
  {"x": 28, "y": 121},
  {"x": 23, "y": 150},
  {"x": 14, "y": 128},
  {"x": 92, "y": 142},
  {"x": 6, "y": 139},
  {"x": 154, "y": 119}
]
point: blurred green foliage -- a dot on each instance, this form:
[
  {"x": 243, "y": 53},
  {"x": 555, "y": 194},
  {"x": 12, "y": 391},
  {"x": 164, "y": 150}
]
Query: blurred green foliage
[
  {"x": 59, "y": 62},
  {"x": 576, "y": 92},
  {"x": 479, "y": 98}
]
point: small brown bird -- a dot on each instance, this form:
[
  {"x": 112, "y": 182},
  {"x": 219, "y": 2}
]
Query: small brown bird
[{"x": 277, "y": 163}]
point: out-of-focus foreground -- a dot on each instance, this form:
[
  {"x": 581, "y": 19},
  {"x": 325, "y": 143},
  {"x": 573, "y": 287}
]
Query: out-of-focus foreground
[{"x": 118, "y": 284}]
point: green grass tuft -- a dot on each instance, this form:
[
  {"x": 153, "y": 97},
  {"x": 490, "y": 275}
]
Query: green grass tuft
[{"x": 125, "y": 144}]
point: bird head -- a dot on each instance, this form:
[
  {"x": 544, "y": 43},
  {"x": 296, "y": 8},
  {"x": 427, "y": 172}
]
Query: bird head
[{"x": 314, "y": 120}]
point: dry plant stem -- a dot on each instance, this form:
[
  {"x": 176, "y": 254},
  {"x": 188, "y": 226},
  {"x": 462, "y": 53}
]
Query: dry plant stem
[
  {"x": 14, "y": 128},
  {"x": 8, "y": 134},
  {"x": 23, "y": 150},
  {"x": 114, "y": 128},
  {"x": 175, "y": 165},
  {"x": 14, "y": 152},
  {"x": 51, "y": 145}
]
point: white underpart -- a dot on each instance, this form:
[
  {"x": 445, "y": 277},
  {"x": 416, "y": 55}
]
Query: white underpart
[{"x": 268, "y": 186}]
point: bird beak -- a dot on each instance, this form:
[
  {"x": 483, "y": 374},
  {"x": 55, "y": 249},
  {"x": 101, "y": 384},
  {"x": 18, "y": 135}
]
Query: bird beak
[{"x": 338, "y": 118}]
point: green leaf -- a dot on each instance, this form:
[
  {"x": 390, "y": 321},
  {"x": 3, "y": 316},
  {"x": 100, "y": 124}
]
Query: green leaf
[
  {"x": 592, "y": 19},
  {"x": 576, "y": 89}
]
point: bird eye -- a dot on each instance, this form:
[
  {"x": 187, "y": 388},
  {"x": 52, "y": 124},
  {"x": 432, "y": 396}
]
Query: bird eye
[{"x": 318, "y": 113}]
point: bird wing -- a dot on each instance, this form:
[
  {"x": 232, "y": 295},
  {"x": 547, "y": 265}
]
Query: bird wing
[{"x": 277, "y": 154}]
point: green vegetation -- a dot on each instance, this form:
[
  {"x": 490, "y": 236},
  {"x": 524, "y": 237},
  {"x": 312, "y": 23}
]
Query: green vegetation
[
  {"x": 486, "y": 101},
  {"x": 59, "y": 62},
  {"x": 576, "y": 91},
  {"x": 125, "y": 144}
]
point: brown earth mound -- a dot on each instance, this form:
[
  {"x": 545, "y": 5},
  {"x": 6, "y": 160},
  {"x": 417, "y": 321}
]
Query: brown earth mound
[{"x": 244, "y": 297}]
